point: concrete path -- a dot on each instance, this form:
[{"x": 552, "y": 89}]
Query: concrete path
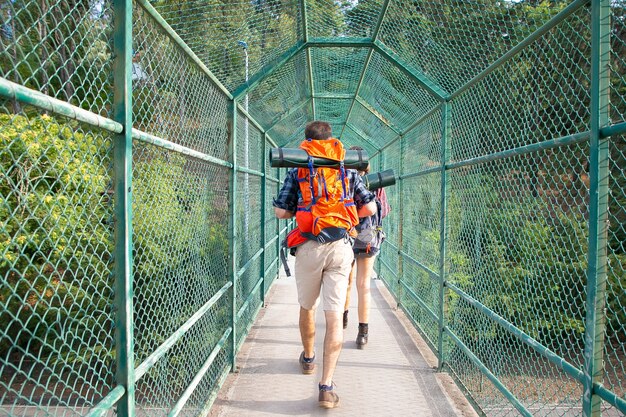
[{"x": 393, "y": 376}]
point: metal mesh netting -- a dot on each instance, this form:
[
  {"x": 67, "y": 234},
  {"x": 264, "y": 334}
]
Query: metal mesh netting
[
  {"x": 61, "y": 48},
  {"x": 137, "y": 231},
  {"x": 56, "y": 233}
]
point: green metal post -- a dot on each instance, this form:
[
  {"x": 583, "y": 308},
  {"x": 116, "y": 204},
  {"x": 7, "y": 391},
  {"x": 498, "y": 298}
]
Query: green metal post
[
  {"x": 595, "y": 320},
  {"x": 400, "y": 226},
  {"x": 232, "y": 235},
  {"x": 263, "y": 215},
  {"x": 443, "y": 305},
  {"x": 311, "y": 81},
  {"x": 278, "y": 185},
  {"x": 305, "y": 38},
  {"x": 122, "y": 166},
  {"x": 380, "y": 168}
]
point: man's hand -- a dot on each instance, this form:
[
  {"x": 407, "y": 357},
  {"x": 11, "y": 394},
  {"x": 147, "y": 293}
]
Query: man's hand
[
  {"x": 367, "y": 210},
  {"x": 284, "y": 214}
]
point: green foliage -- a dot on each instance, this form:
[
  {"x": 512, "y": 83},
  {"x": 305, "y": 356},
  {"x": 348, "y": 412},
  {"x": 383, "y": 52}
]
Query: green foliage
[
  {"x": 55, "y": 236},
  {"x": 180, "y": 244}
]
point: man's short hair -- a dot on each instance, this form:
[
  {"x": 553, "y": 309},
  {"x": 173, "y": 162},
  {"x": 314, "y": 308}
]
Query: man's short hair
[{"x": 318, "y": 130}]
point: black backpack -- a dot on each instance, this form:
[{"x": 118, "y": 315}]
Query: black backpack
[{"x": 370, "y": 233}]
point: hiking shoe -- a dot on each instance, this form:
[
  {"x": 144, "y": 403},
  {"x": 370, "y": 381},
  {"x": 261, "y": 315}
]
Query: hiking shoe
[
  {"x": 307, "y": 364},
  {"x": 327, "y": 397},
  {"x": 345, "y": 319},
  {"x": 361, "y": 337}
]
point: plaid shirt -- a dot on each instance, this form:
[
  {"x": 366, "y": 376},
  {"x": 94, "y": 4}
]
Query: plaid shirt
[{"x": 290, "y": 192}]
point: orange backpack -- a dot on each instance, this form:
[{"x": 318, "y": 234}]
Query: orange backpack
[{"x": 326, "y": 212}]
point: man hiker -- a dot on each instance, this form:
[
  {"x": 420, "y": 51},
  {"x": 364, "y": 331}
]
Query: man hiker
[{"x": 327, "y": 203}]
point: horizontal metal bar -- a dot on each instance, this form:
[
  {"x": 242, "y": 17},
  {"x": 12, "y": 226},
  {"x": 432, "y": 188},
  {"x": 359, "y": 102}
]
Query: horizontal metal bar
[
  {"x": 13, "y": 91},
  {"x": 429, "y": 85},
  {"x": 175, "y": 337},
  {"x": 387, "y": 242},
  {"x": 269, "y": 268},
  {"x": 494, "y": 379},
  {"x": 538, "y": 33},
  {"x": 178, "y": 407},
  {"x": 271, "y": 241},
  {"x": 249, "y": 298},
  {"x": 561, "y": 363},
  {"x": 616, "y": 129},
  {"x": 249, "y": 171},
  {"x": 272, "y": 179},
  {"x": 250, "y": 261},
  {"x": 106, "y": 404},
  {"x": 339, "y": 43},
  {"x": 163, "y": 143},
  {"x": 251, "y": 119},
  {"x": 610, "y": 397},
  {"x": 522, "y": 150},
  {"x": 395, "y": 274},
  {"x": 421, "y": 173},
  {"x": 181, "y": 43},
  {"x": 284, "y": 230},
  {"x": 419, "y": 265},
  {"x": 334, "y": 96},
  {"x": 243, "y": 339},
  {"x": 419, "y": 301}
]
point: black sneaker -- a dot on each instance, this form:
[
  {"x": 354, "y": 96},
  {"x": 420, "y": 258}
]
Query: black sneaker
[{"x": 327, "y": 397}]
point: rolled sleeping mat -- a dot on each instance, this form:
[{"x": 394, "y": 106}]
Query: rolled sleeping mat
[
  {"x": 298, "y": 158},
  {"x": 379, "y": 179}
]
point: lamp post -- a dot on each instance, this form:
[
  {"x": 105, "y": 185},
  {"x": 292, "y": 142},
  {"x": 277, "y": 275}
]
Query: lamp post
[{"x": 246, "y": 189}]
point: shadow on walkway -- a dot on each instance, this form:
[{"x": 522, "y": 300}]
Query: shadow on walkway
[{"x": 391, "y": 377}]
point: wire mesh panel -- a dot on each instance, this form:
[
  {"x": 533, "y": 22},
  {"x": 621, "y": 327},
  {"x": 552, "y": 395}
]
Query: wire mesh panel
[
  {"x": 215, "y": 30},
  {"x": 280, "y": 98},
  {"x": 334, "y": 70},
  {"x": 397, "y": 99},
  {"x": 172, "y": 97},
  {"x": 334, "y": 111},
  {"x": 504, "y": 122},
  {"x": 56, "y": 342},
  {"x": 450, "y": 42},
  {"x": 389, "y": 265},
  {"x": 61, "y": 48}
]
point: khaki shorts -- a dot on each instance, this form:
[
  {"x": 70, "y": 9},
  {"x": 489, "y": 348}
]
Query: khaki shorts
[{"x": 323, "y": 268}]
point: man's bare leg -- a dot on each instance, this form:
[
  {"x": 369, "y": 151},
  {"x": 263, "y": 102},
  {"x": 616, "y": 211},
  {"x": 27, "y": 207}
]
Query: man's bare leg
[
  {"x": 333, "y": 341},
  {"x": 307, "y": 331}
]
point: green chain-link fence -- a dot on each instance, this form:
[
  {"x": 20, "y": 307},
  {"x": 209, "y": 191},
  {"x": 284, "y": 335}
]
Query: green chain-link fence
[{"x": 136, "y": 226}]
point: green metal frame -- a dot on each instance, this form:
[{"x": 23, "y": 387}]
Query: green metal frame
[
  {"x": 232, "y": 234},
  {"x": 120, "y": 127},
  {"x": 446, "y": 129},
  {"x": 122, "y": 166},
  {"x": 598, "y": 207}
]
